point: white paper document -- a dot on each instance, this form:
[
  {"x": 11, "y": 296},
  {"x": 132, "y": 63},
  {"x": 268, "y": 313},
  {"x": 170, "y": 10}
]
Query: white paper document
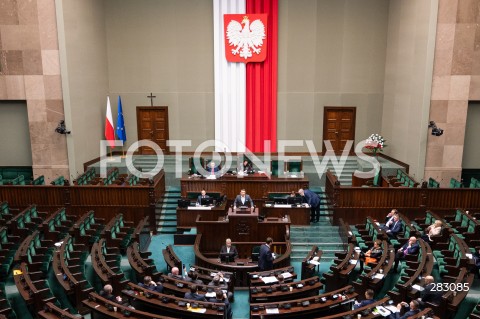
[
  {"x": 378, "y": 276},
  {"x": 417, "y": 287},
  {"x": 272, "y": 310},
  {"x": 392, "y": 308},
  {"x": 269, "y": 279},
  {"x": 199, "y": 208},
  {"x": 286, "y": 275}
]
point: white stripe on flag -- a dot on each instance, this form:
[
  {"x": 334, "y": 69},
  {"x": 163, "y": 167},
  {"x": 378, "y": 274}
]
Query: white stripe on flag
[{"x": 230, "y": 84}]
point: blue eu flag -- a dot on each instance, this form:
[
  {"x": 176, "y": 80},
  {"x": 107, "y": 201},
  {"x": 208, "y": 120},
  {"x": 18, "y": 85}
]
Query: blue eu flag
[{"x": 121, "y": 133}]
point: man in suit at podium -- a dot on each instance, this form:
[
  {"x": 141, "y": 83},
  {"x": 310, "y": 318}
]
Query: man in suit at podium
[
  {"x": 203, "y": 194},
  {"x": 243, "y": 199},
  {"x": 229, "y": 249},
  {"x": 313, "y": 201},
  {"x": 266, "y": 256}
]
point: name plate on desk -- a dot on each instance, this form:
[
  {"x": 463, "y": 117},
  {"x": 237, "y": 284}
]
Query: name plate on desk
[
  {"x": 282, "y": 206},
  {"x": 199, "y": 208}
]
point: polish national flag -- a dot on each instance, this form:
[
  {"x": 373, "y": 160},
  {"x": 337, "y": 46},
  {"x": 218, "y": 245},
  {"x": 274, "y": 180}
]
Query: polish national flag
[{"x": 109, "y": 132}]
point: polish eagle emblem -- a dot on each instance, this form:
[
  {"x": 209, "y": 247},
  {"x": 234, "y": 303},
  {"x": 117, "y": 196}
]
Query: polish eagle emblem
[{"x": 245, "y": 39}]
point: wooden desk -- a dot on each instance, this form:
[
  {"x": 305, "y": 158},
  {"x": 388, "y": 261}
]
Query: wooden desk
[
  {"x": 293, "y": 290},
  {"x": 210, "y": 260},
  {"x": 186, "y": 217},
  {"x": 241, "y": 226},
  {"x": 298, "y": 215},
  {"x": 257, "y": 185},
  {"x": 315, "y": 307}
]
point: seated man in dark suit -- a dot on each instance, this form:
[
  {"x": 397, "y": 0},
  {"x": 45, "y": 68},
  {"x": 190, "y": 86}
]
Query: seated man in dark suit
[
  {"x": 427, "y": 295},
  {"x": 243, "y": 199},
  {"x": 410, "y": 248},
  {"x": 194, "y": 295},
  {"x": 218, "y": 282},
  {"x": 365, "y": 302},
  {"x": 395, "y": 227},
  {"x": 176, "y": 274},
  {"x": 476, "y": 259},
  {"x": 192, "y": 276},
  {"x": 212, "y": 169},
  {"x": 229, "y": 249},
  {"x": 220, "y": 297},
  {"x": 203, "y": 194},
  {"x": 389, "y": 219},
  {"x": 148, "y": 283},
  {"x": 411, "y": 310},
  {"x": 107, "y": 293}
]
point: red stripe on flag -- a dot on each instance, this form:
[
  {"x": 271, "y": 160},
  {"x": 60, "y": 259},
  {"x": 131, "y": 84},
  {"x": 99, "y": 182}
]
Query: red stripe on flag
[{"x": 262, "y": 84}]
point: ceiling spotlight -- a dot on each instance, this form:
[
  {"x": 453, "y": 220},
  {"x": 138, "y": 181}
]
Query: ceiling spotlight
[{"x": 435, "y": 130}]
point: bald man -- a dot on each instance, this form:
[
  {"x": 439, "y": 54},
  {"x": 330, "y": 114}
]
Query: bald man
[
  {"x": 229, "y": 249},
  {"x": 428, "y": 295},
  {"x": 313, "y": 201},
  {"x": 410, "y": 248}
]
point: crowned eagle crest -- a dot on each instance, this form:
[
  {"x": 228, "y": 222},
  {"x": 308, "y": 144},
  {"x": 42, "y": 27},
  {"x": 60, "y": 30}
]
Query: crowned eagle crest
[{"x": 247, "y": 38}]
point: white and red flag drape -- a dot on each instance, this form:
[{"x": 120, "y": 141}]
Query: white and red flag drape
[{"x": 245, "y": 54}]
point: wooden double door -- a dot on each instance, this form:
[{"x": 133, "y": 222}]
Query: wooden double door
[
  {"x": 338, "y": 127},
  {"x": 152, "y": 125}
]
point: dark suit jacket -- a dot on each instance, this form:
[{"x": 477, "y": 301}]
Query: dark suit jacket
[
  {"x": 406, "y": 314},
  {"x": 228, "y": 306},
  {"x": 157, "y": 288},
  {"x": 311, "y": 198},
  {"x": 209, "y": 169},
  {"x": 199, "y": 198},
  {"x": 431, "y": 296},
  {"x": 247, "y": 167},
  {"x": 108, "y": 296},
  {"x": 233, "y": 250},
  {"x": 195, "y": 296},
  {"x": 238, "y": 201},
  {"x": 265, "y": 258},
  {"x": 412, "y": 250},
  {"x": 363, "y": 303},
  {"x": 395, "y": 228}
]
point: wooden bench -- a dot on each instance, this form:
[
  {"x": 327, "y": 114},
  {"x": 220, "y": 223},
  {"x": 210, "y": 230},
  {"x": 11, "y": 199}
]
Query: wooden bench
[{"x": 308, "y": 307}]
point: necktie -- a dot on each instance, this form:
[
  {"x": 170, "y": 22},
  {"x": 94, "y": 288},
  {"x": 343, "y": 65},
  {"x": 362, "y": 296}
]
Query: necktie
[{"x": 213, "y": 173}]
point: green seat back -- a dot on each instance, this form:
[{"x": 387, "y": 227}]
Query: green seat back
[
  {"x": 294, "y": 166},
  {"x": 277, "y": 167}
]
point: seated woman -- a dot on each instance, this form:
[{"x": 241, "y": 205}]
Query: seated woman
[
  {"x": 433, "y": 230},
  {"x": 372, "y": 255}
]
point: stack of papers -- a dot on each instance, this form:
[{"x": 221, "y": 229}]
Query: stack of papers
[
  {"x": 210, "y": 294},
  {"x": 269, "y": 279},
  {"x": 286, "y": 275},
  {"x": 314, "y": 262},
  {"x": 353, "y": 261},
  {"x": 272, "y": 310},
  {"x": 392, "y": 308},
  {"x": 378, "y": 276}
]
